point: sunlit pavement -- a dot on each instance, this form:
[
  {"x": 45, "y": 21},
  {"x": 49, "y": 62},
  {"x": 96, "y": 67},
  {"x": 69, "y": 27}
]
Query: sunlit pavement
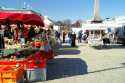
[{"x": 88, "y": 65}]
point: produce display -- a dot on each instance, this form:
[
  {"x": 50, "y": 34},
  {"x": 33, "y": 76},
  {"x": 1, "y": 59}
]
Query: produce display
[{"x": 34, "y": 55}]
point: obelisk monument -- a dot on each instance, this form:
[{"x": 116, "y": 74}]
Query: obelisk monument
[{"x": 97, "y": 17}]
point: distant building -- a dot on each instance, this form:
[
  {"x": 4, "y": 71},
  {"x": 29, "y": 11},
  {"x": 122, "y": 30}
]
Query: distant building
[
  {"x": 120, "y": 20},
  {"x": 48, "y": 21}
]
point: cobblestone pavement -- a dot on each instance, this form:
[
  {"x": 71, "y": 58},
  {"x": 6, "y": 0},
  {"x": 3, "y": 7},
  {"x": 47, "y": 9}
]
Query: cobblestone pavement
[{"x": 88, "y": 65}]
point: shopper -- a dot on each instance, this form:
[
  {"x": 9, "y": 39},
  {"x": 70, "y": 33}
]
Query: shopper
[
  {"x": 80, "y": 36},
  {"x": 73, "y": 39},
  {"x": 64, "y": 36}
]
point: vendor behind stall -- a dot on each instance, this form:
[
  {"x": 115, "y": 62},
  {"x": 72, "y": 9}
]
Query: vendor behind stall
[
  {"x": 7, "y": 32},
  {"x": 31, "y": 33},
  {"x": 2, "y": 45}
]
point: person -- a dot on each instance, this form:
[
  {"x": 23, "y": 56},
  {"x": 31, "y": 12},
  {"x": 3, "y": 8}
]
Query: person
[
  {"x": 25, "y": 33},
  {"x": 16, "y": 34},
  {"x": 64, "y": 36},
  {"x": 2, "y": 45},
  {"x": 31, "y": 33},
  {"x": 57, "y": 33},
  {"x": 8, "y": 33},
  {"x": 80, "y": 36},
  {"x": 73, "y": 39},
  {"x": 105, "y": 41},
  {"x": 22, "y": 39},
  {"x": 69, "y": 36},
  {"x": 84, "y": 36}
]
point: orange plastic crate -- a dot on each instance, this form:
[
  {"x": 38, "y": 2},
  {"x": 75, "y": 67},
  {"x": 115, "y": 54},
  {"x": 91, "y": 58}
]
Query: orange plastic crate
[
  {"x": 12, "y": 72},
  {"x": 0, "y": 80},
  {"x": 9, "y": 80},
  {"x": 0, "y": 74},
  {"x": 1, "y": 69},
  {"x": 0, "y": 77},
  {"x": 12, "y": 80}
]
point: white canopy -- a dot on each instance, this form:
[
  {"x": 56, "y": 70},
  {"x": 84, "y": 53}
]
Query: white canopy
[
  {"x": 100, "y": 26},
  {"x": 47, "y": 21}
]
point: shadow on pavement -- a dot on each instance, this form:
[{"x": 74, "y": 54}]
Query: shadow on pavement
[
  {"x": 123, "y": 63},
  {"x": 106, "y": 47},
  {"x": 67, "y": 46},
  {"x": 68, "y": 52},
  {"x": 108, "y": 69},
  {"x": 116, "y": 46},
  {"x": 65, "y": 67}
]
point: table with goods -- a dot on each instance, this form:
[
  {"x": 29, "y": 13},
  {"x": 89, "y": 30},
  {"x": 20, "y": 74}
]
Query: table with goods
[{"x": 29, "y": 63}]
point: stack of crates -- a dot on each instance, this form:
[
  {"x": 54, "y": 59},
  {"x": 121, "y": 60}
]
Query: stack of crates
[{"x": 12, "y": 74}]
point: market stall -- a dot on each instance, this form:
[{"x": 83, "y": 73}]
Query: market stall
[{"x": 31, "y": 55}]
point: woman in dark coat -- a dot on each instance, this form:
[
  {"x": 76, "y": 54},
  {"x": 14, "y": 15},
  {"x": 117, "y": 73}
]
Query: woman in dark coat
[
  {"x": 64, "y": 36},
  {"x": 73, "y": 39}
]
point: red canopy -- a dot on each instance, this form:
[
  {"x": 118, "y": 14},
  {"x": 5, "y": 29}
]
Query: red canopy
[{"x": 26, "y": 18}]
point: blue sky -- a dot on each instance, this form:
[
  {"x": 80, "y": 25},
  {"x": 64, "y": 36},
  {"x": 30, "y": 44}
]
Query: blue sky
[{"x": 70, "y": 9}]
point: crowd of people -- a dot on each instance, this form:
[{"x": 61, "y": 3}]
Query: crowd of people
[{"x": 71, "y": 37}]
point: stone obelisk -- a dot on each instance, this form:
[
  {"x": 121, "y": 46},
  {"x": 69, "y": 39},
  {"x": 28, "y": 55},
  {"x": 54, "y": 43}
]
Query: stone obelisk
[{"x": 97, "y": 17}]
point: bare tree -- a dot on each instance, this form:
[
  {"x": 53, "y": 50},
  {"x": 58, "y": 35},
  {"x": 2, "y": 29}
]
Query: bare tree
[
  {"x": 59, "y": 23},
  {"x": 77, "y": 23},
  {"x": 67, "y": 22}
]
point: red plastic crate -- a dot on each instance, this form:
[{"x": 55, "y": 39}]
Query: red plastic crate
[
  {"x": 35, "y": 61},
  {"x": 31, "y": 64},
  {"x": 5, "y": 62},
  {"x": 20, "y": 62}
]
